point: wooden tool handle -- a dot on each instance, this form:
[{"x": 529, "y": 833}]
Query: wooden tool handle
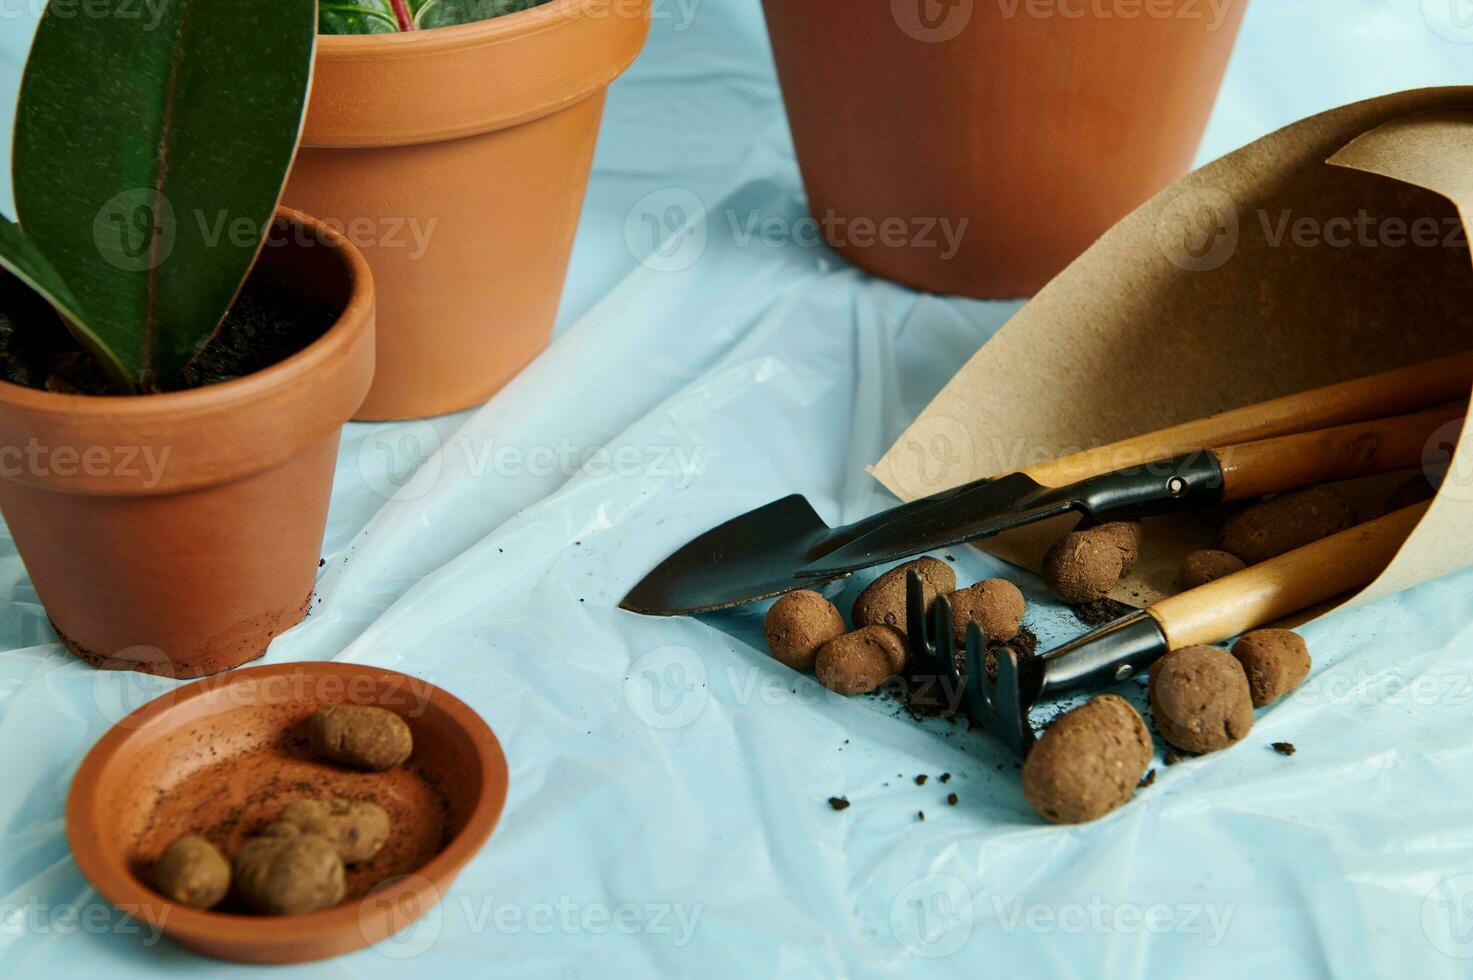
[
  {"x": 1257, "y": 468},
  {"x": 1398, "y": 392},
  {"x": 1276, "y": 588}
]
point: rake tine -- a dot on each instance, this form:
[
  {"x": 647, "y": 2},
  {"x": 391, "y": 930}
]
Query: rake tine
[
  {"x": 1011, "y": 712},
  {"x": 925, "y": 657},
  {"x": 980, "y": 691}
]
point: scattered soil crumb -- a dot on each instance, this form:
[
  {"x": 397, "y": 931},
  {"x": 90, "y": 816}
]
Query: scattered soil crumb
[
  {"x": 1284, "y": 748},
  {"x": 1172, "y": 758},
  {"x": 946, "y": 777},
  {"x": 921, "y": 780},
  {"x": 1101, "y": 611},
  {"x": 1147, "y": 780},
  {"x": 921, "y": 815},
  {"x": 951, "y": 799},
  {"x": 839, "y": 802}
]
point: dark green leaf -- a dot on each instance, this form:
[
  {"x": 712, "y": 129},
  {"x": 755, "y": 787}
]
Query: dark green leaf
[
  {"x": 21, "y": 257},
  {"x": 151, "y": 145},
  {"x": 357, "y": 17},
  {"x": 448, "y": 13}
]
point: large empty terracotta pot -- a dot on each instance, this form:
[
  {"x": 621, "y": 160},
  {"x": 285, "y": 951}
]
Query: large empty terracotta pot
[
  {"x": 1038, "y": 123},
  {"x": 457, "y": 160},
  {"x": 178, "y": 533}
]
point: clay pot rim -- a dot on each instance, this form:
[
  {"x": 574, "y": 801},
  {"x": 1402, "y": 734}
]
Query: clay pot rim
[
  {"x": 364, "y": 84},
  {"x": 226, "y": 395},
  {"x": 224, "y": 432},
  {"x": 428, "y": 43},
  {"x": 100, "y": 857}
]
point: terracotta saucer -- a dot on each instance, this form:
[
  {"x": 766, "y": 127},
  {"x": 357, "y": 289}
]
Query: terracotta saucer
[{"x": 223, "y": 756}]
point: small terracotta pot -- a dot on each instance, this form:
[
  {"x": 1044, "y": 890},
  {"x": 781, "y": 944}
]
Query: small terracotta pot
[
  {"x": 177, "y": 534},
  {"x": 457, "y": 159},
  {"x": 224, "y": 756},
  {"x": 1040, "y": 123}
]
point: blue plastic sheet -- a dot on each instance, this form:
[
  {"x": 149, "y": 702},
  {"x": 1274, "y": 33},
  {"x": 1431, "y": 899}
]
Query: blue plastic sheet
[{"x": 669, "y": 780}]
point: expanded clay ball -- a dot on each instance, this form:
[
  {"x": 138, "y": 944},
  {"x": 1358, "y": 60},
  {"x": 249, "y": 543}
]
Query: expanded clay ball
[
  {"x": 287, "y": 872},
  {"x": 859, "y": 662},
  {"x": 1208, "y": 565},
  {"x": 1124, "y": 535},
  {"x": 193, "y": 872},
  {"x": 883, "y": 602},
  {"x": 1088, "y": 762},
  {"x": 1275, "y": 661},
  {"x": 994, "y": 604},
  {"x": 1200, "y": 699},
  {"x": 357, "y": 830},
  {"x": 363, "y": 736},
  {"x": 1284, "y": 523},
  {"x": 1082, "y": 567},
  {"x": 798, "y": 624}
]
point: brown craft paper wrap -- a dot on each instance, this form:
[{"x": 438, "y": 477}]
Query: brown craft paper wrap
[{"x": 1195, "y": 304}]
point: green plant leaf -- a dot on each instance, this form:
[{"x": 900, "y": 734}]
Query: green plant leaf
[
  {"x": 24, "y": 260},
  {"x": 449, "y": 13},
  {"x": 152, "y": 142},
  {"x": 356, "y": 17}
]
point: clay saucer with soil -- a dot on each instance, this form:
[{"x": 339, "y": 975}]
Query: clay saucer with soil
[{"x": 224, "y": 756}]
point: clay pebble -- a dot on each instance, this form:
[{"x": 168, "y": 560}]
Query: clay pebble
[
  {"x": 859, "y": 662},
  {"x": 1125, "y": 536},
  {"x": 1275, "y": 662},
  {"x": 194, "y": 872},
  {"x": 287, "y": 872},
  {"x": 798, "y": 624},
  {"x": 1088, "y": 762},
  {"x": 995, "y": 604},
  {"x": 1200, "y": 699},
  {"x": 362, "y": 736},
  {"x": 882, "y": 603},
  {"x": 1286, "y": 522},
  {"x": 356, "y": 830},
  {"x": 1082, "y": 567},
  {"x": 1208, "y": 565}
]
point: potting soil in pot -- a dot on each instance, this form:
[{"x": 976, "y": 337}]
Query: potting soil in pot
[{"x": 267, "y": 324}]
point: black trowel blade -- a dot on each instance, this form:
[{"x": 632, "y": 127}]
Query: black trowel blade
[{"x": 748, "y": 558}]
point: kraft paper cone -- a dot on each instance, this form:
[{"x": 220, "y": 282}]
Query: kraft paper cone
[{"x": 1330, "y": 250}]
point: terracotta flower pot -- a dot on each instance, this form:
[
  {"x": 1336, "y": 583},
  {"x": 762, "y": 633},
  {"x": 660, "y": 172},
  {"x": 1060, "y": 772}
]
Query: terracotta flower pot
[
  {"x": 178, "y": 533},
  {"x": 224, "y": 756},
  {"x": 1039, "y": 123},
  {"x": 457, "y": 159}
]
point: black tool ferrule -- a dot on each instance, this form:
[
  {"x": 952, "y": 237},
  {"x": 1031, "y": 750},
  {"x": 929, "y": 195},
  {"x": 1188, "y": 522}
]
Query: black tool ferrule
[
  {"x": 1104, "y": 656},
  {"x": 1181, "y": 483}
]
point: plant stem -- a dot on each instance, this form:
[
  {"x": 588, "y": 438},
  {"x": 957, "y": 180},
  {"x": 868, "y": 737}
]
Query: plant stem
[{"x": 401, "y": 11}]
